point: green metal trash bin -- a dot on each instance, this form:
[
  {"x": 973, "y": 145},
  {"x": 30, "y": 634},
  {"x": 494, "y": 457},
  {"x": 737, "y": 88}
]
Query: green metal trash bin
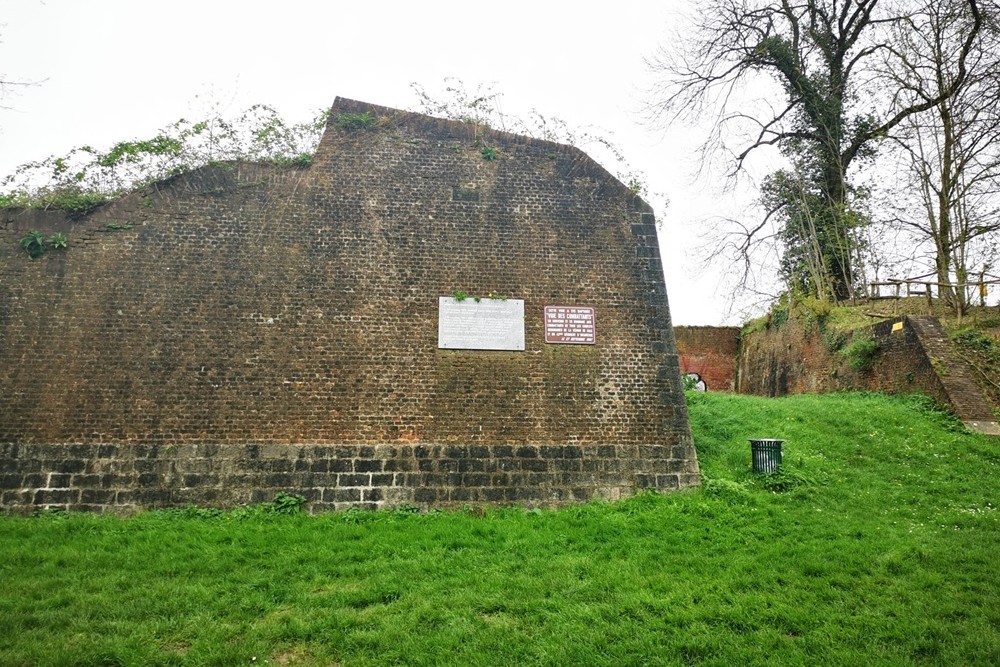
[{"x": 766, "y": 454}]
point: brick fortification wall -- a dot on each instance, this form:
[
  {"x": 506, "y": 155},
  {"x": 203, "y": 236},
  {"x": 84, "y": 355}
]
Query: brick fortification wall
[
  {"x": 914, "y": 356},
  {"x": 248, "y": 329},
  {"x": 711, "y": 353}
]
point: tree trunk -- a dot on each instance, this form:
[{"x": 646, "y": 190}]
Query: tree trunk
[
  {"x": 942, "y": 243},
  {"x": 838, "y": 241}
]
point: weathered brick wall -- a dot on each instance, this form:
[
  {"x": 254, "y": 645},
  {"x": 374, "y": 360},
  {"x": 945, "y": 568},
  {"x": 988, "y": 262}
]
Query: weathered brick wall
[
  {"x": 710, "y": 352},
  {"x": 99, "y": 477},
  {"x": 787, "y": 359},
  {"x": 914, "y": 356},
  {"x": 295, "y": 310}
]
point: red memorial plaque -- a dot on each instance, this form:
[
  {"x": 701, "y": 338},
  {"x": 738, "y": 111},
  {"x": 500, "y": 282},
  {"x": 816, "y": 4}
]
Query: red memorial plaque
[{"x": 570, "y": 325}]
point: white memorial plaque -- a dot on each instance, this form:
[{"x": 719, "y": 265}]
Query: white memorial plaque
[{"x": 487, "y": 324}]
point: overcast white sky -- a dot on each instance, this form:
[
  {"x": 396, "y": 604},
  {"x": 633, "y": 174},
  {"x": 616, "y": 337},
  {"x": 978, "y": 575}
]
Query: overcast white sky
[{"x": 111, "y": 70}]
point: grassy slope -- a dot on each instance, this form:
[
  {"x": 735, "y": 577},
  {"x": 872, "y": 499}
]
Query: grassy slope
[
  {"x": 880, "y": 549},
  {"x": 975, "y": 337}
]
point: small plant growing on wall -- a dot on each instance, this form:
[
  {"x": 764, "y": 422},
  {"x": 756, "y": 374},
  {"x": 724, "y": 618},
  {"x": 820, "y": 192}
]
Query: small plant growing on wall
[
  {"x": 35, "y": 244},
  {"x": 489, "y": 153},
  {"x": 460, "y": 295},
  {"x": 300, "y": 161},
  {"x": 351, "y": 122},
  {"x": 79, "y": 204}
]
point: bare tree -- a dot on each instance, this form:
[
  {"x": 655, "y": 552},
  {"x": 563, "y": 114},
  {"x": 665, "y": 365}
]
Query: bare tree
[
  {"x": 952, "y": 152},
  {"x": 826, "y": 57},
  {"x": 8, "y": 85}
]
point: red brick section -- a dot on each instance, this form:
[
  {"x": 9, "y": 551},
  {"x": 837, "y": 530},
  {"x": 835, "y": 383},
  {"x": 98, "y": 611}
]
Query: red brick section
[
  {"x": 247, "y": 329},
  {"x": 710, "y": 352},
  {"x": 915, "y": 356}
]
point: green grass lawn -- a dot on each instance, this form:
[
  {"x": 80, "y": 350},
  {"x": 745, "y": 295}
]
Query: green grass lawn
[{"x": 878, "y": 545}]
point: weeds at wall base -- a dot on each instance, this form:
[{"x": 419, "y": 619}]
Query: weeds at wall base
[{"x": 282, "y": 504}]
